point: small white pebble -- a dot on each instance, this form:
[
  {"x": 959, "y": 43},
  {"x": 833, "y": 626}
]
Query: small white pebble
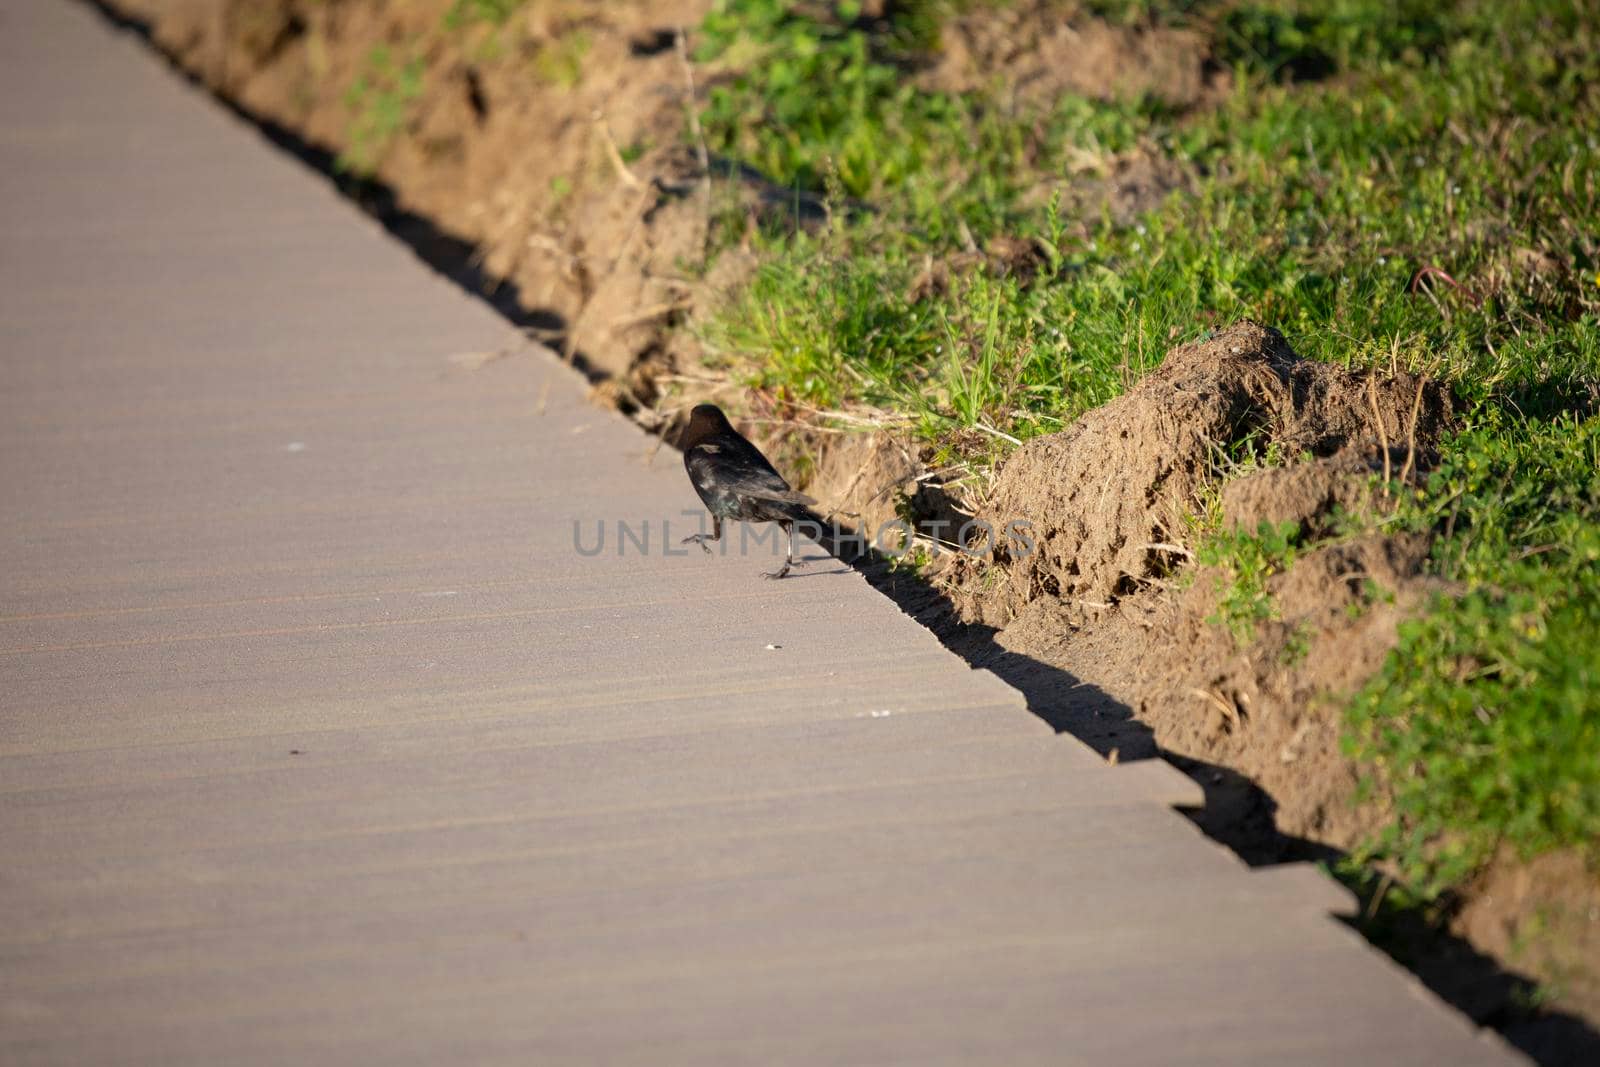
[
  {"x": 881, "y": 713},
  {"x": 295, "y": 446},
  {"x": 773, "y": 648}
]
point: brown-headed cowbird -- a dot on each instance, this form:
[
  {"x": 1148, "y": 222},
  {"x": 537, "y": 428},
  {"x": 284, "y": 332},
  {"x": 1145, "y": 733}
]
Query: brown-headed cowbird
[{"x": 736, "y": 482}]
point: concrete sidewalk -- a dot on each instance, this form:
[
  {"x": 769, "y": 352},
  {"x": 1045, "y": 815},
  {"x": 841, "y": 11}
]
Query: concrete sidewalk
[{"x": 322, "y": 743}]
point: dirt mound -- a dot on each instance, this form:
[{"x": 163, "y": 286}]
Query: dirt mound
[
  {"x": 1160, "y": 654},
  {"x": 1048, "y": 49},
  {"x": 1108, "y": 499}
]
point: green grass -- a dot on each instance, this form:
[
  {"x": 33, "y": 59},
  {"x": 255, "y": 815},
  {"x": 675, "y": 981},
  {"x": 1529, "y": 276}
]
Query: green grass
[
  {"x": 1247, "y": 560},
  {"x": 817, "y": 96},
  {"x": 560, "y": 62},
  {"x": 1323, "y": 204},
  {"x": 1412, "y": 185},
  {"x": 1484, "y": 724},
  {"x": 379, "y": 102},
  {"x": 470, "y": 12}
]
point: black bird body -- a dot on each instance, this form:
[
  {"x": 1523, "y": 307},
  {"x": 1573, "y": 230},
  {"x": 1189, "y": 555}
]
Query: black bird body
[{"x": 735, "y": 481}]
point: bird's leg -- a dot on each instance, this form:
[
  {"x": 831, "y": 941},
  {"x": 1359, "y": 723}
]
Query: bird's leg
[
  {"x": 701, "y": 539},
  {"x": 787, "y": 526},
  {"x": 793, "y": 534}
]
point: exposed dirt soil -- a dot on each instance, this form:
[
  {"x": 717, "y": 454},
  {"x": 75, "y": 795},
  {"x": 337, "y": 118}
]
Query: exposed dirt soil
[
  {"x": 1556, "y": 896},
  {"x": 1032, "y": 52},
  {"x": 1038, "y": 51},
  {"x": 1270, "y": 709},
  {"x": 1126, "y": 185}
]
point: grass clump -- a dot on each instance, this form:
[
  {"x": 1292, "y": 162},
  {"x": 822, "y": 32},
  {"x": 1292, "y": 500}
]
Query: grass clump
[
  {"x": 560, "y": 62},
  {"x": 469, "y": 12},
  {"x": 379, "y": 101},
  {"x": 816, "y": 94},
  {"x": 1288, "y": 42},
  {"x": 1484, "y": 724},
  {"x": 1247, "y": 561}
]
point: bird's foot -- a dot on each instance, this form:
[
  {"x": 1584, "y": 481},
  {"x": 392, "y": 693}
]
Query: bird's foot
[
  {"x": 700, "y": 539},
  {"x": 779, "y": 573}
]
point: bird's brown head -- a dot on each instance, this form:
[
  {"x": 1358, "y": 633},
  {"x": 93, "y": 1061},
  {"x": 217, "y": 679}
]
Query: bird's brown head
[{"x": 704, "y": 421}]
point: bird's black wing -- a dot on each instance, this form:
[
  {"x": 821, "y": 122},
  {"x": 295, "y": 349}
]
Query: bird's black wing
[{"x": 732, "y": 465}]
